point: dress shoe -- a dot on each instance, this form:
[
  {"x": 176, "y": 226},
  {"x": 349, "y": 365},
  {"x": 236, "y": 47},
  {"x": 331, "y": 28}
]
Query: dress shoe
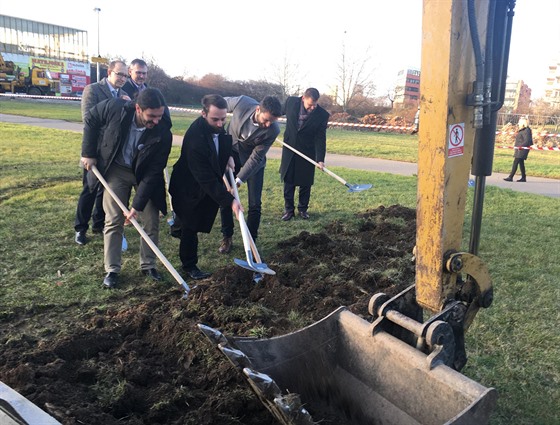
[
  {"x": 522, "y": 179},
  {"x": 508, "y": 179},
  {"x": 97, "y": 230},
  {"x": 111, "y": 280},
  {"x": 196, "y": 274},
  {"x": 288, "y": 215},
  {"x": 304, "y": 215},
  {"x": 152, "y": 274},
  {"x": 225, "y": 246},
  {"x": 80, "y": 238}
]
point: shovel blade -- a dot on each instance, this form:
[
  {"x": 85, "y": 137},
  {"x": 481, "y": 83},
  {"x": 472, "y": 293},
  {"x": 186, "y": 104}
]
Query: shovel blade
[{"x": 358, "y": 187}]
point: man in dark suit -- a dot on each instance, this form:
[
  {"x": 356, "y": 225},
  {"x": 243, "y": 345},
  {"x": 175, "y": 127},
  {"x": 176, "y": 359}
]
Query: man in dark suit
[
  {"x": 138, "y": 72},
  {"x": 306, "y": 131},
  {"x": 196, "y": 187},
  {"x": 254, "y": 129},
  {"x": 108, "y": 88},
  {"x": 129, "y": 142}
]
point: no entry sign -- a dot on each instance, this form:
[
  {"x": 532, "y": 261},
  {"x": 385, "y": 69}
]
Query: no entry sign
[{"x": 456, "y": 140}]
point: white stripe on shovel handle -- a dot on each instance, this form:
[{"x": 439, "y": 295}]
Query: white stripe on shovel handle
[
  {"x": 325, "y": 169},
  {"x": 251, "y": 241},
  {"x": 142, "y": 232},
  {"x": 242, "y": 225}
]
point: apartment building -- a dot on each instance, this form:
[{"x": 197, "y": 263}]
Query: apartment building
[
  {"x": 517, "y": 97},
  {"x": 407, "y": 87},
  {"x": 552, "y": 88}
]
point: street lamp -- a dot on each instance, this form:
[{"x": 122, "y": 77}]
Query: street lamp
[{"x": 97, "y": 10}]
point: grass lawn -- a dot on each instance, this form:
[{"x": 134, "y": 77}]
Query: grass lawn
[
  {"x": 513, "y": 346},
  {"x": 397, "y": 147}
]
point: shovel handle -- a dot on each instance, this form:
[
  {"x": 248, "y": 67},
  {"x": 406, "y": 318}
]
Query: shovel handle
[
  {"x": 142, "y": 232},
  {"x": 325, "y": 169},
  {"x": 251, "y": 241},
  {"x": 166, "y": 175}
]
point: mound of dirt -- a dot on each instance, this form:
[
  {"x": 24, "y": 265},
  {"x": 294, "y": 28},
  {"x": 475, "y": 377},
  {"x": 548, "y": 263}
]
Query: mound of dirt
[{"x": 147, "y": 363}]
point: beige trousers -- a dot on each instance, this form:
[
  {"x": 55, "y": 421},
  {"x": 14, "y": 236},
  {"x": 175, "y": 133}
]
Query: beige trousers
[{"x": 121, "y": 180}]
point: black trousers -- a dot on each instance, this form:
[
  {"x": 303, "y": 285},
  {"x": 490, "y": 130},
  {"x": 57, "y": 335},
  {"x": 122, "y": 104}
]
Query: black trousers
[
  {"x": 89, "y": 204},
  {"x": 188, "y": 247},
  {"x": 303, "y": 198},
  {"x": 518, "y": 162}
]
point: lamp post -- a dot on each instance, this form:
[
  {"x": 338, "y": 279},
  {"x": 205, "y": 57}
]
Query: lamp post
[{"x": 97, "y": 10}]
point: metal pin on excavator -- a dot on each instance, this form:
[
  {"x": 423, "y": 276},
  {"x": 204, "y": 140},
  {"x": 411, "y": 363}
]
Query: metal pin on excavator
[{"x": 402, "y": 367}]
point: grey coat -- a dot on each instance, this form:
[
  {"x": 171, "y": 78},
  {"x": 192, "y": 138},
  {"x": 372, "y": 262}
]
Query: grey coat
[
  {"x": 96, "y": 93},
  {"x": 252, "y": 152},
  {"x": 524, "y": 138}
]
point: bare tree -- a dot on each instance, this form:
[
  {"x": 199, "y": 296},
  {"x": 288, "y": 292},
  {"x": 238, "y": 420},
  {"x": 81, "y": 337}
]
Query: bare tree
[
  {"x": 286, "y": 75},
  {"x": 354, "y": 79}
]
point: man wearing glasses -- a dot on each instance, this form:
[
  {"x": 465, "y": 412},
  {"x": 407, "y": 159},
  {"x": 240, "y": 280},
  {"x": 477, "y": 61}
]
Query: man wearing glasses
[
  {"x": 108, "y": 88},
  {"x": 138, "y": 72}
]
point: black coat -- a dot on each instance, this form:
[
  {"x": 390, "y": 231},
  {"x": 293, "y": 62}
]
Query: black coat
[
  {"x": 196, "y": 186},
  {"x": 523, "y": 138},
  {"x": 106, "y": 129},
  {"x": 311, "y": 140}
]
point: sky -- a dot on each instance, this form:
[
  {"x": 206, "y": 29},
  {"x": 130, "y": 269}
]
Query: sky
[{"x": 247, "y": 40}]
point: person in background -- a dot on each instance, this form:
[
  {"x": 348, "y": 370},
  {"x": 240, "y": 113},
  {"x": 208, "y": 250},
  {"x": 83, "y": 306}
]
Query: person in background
[
  {"x": 524, "y": 138},
  {"x": 254, "y": 129},
  {"x": 129, "y": 142},
  {"x": 138, "y": 72},
  {"x": 196, "y": 187},
  {"x": 306, "y": 131},
  {"x": 90, "y": 202}
]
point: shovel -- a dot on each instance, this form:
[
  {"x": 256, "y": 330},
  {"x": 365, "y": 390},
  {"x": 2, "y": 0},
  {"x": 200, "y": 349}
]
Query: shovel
[
  {"x": 170, "y": 220},
  {"x": 248, "y": 242},
  {"x": 351, "y": 187},
  {"x": 257, "y": 276},
  {"x": 143, "y": 233}
]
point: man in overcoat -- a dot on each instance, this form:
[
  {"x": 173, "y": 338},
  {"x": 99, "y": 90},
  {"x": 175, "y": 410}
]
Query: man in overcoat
[
  {"x": 196, "y": 185},
  {"x": 90, "y": 203},
  {"x": 306, "y": 131},
  {"x": 129, "y": 142},
  {"x": 523, "y": 139}
]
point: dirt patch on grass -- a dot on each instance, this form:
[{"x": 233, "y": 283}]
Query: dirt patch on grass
[{"x": 147, "y": 363}]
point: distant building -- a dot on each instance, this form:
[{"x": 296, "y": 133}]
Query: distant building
[
  {"x": 517, "y": 98},
  {"x": 62, "y": 51},
  {"x": 407, "y": 87},
  {"x": 552, "y": 89}
]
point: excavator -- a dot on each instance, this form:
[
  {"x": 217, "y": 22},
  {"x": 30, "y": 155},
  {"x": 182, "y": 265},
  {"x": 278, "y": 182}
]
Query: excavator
[{"x": 402, "y": 366}]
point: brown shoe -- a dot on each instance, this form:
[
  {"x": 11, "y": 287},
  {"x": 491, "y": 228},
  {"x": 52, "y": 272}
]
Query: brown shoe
[{"x": 225, "y": 246}]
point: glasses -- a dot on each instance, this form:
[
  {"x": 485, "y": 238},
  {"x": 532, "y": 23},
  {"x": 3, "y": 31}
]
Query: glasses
[{"x": 120, "y": 74}]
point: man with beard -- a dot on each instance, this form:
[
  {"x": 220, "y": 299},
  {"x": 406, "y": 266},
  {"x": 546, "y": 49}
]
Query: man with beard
[
  {"x": 254, "y": 129},
  {"x": 130, "y": 144},
  {"x": 196, "y": 187}
]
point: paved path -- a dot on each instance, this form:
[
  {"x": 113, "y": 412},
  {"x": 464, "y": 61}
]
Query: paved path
[{"x": 536, "y": 185}]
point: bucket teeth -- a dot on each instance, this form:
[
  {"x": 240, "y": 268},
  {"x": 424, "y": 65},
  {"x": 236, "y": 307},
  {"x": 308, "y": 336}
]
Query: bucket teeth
[
  {"x": 236, "y": 357},
  {"x": 215, "y": 336},
  {"x": 264, "y": 383}
]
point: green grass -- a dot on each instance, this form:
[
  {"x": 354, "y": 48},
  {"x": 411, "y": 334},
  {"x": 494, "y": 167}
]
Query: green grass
[
  {"x": 513, "y": 346},
  {"x": 396, "y": 147}
]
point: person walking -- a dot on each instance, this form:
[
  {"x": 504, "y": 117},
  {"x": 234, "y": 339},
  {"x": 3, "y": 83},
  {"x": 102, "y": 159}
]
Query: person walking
[
  {"x": 196, "y": 185},
  {"x": 524, "y": 138},
  {"x": 306, "y": 131},
  {"x": 90, "y": 202},
  {"x": 254, "y": 129},
  {"x": 136, "y": 82},
  {"x": 130, "y": 143}
]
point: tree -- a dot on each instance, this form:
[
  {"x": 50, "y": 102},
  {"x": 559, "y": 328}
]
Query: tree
[
  {"x": 354, "y": 79},
  {"x": 285, "y": 74}
]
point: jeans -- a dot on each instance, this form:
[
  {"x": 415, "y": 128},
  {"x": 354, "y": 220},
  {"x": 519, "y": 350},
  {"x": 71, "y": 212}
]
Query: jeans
[{"x": 254, "y": 191}]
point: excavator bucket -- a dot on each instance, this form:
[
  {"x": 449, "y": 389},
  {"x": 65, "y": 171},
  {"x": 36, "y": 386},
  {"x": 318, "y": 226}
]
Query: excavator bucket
[{"x": 339, "y": 370}]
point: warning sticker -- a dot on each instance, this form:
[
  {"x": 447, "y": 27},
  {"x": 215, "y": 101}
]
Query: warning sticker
[{"x": 456, "y": 141}]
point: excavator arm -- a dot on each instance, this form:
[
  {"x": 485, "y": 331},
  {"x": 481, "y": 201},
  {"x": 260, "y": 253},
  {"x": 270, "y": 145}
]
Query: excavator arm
[{"x": 402, "y": 367}]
